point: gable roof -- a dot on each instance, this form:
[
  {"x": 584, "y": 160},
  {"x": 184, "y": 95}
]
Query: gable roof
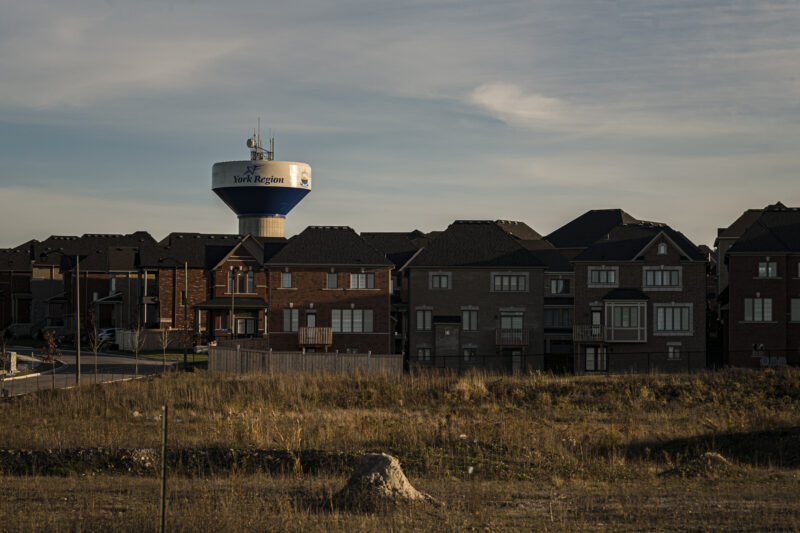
[
  {"x": 328, "y": 245},
  {"x": 177, "y": 249},
  {"x": 776, "y": 230},
  {"x": 587, "y": 228},
  {"x": 398, "y": 247},
  {"x": 626, "y": 242},
  {"x": 519, "y": 230},
  {"x": 475, "y": 243},
  {"x": 93, "y": 249},
  {"x": 14, "y": 260}
]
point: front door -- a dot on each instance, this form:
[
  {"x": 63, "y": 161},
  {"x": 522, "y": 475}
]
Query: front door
[{"x": 595, "y": 359}]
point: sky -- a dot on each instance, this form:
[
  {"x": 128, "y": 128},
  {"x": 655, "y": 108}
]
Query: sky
[{"x": 412, "y": 114}]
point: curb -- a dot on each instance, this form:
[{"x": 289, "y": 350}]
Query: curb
[{"x": 59, "y": 364}]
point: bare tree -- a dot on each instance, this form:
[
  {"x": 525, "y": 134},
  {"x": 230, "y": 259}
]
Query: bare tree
[
  {"x": 165, "y": 340},
  {"x": 94, "y": 340},
  {"x": 51, "y": 352}
]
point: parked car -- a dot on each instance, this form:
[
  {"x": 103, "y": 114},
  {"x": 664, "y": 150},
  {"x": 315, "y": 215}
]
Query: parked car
[{"x": 108, "y": 334}]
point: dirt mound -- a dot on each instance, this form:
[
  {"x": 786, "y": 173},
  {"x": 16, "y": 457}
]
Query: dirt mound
[
  {"x": 379, "y": 480},
  {"x": 710, "y": 464}
]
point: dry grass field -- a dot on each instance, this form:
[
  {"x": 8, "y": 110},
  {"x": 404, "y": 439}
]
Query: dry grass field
[{"x": 547, "y": 453}]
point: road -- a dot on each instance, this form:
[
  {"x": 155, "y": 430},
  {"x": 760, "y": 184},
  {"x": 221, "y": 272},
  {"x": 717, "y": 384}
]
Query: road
[{"x": 110, "y": 367}]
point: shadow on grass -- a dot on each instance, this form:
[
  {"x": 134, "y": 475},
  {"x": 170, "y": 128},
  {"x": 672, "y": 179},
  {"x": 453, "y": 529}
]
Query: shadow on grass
[{"x": 773, "y": 447}]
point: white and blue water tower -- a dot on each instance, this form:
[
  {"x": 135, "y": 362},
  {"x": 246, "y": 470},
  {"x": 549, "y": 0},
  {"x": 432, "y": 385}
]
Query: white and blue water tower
[{"x": 261, "y": 191}]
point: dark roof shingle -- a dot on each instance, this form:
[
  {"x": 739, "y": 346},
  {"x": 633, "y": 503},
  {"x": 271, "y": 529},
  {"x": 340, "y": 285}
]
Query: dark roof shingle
[{"x": 328, "y": 245}]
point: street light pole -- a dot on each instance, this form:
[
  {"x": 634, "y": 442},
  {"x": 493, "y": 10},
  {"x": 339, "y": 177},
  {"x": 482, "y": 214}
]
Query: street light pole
[{"x": 185, "y": 305}]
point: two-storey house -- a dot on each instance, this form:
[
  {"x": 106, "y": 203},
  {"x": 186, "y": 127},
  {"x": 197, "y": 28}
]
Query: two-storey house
[
  {"x": 763, "y": 264},
  {"x": 640, "y": 302},
  {"x": 476, "y": 299},
  {"x": 329, "y": 290}
]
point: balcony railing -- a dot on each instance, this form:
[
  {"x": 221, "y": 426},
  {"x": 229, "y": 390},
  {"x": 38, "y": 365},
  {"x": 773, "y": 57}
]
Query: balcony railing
[
  {"x": 587, "y": 333},
  {"x": 315, "y": 336},
  {"x": 511, "y": 337}
]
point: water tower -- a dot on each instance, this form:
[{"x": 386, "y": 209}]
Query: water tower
[{"x": 261, "y": 191}]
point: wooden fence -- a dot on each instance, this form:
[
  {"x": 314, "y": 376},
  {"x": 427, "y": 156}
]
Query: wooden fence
[{"x": 243, "y": 361}]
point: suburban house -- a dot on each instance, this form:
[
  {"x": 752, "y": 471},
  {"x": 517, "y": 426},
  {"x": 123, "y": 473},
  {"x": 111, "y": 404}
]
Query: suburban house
[
  {"x": 476, "y": 298},
  {"x": 578, "y": 234},
  {"x": 762, "y": 317},
  {"x": 640, "y": 301},
  {"x": 329, "y": 290},
  {"x": 15, "y": 291},
  {"x": 399, "y": 249}
]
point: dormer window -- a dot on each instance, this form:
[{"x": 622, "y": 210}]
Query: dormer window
[{"x": 662, "y": 249}]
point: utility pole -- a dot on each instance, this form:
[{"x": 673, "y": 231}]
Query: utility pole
[
  {"x": 234, "y": 272},
  {"x": 185, "y": 305},
  {"x": 77, "y": 320}
]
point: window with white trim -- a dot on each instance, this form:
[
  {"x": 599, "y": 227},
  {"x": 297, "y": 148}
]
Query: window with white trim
[
  {"x": 424, "y": 354},
  {"x": 362, "y": 281},
  {"x": 595, "y": 359},
  {"x": 758, "y": 309},
  {"x": 469, "y": 320},
  {"x": 673, "y": 352},
  {"x": 424, "y": 317},
  {"x": 767, "y": 269},
  {"x": 333, "y": 280},
  {"x": 439, "y": 280},
  {"x": 286, "y": 280},
  {"x": 603, "y": 276},
  {"x": 351, "y": 320},
  {"x": 509, "y": 282},
  {"x": 625, "y": 322},
  {"x": 662, "y": 249},
  {"x": 559, "y": 286},
  {"x": 291, "y": 319},
  {"x": 662, "y": 278},
  {"x": 795, "y": 313},
  {"x": 673, "y": 318},
  {"x": 511, "y": 320}
]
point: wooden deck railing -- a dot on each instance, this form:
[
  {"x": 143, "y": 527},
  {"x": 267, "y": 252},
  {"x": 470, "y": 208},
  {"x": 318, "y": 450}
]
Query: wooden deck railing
[
  {"x": 511, "y": 337},
  {"x": 587, "y": 333},
  {"x": 315, "y": 336}
]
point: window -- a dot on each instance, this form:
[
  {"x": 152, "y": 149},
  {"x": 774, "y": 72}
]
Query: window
[
  {"x": 231, "y": 284},
  {"x": 559, "y": 286},
  {"x": 509, "y": 282},
  {"x": 352, "y": 320},
  {"x": 250, "y": 284},
  {"x": 511, "y": 320},
  {"x": 595, "y": 359},
  {"x": 767, "y": 269},
  {"x": 469, "y": 320},
  {"x": 424, "y": 354},
  {"x": 470, "y": 353},
  {"x": 333, "y": 280},
  {"x": 662, "y": 249},
  {"x": 291, "y": 319},
  {"x": 758, "y": 309},
  {"x": 392, "y": 284},
  {"x": 658, "y": 278},
  {"x": 113, "y": 288},
  {"x": 556, "y": 318},
  {"x": 183, "y": 298},
  {"x": 625, "y": 322},
  {"x": 440, "y": 281},
  {"x": 673, "y": 353},
  {"x": 673, "y": 318},
  {"x": 795, "y": 317},
  {"x": 286, "y": 280},
  {"x": 311, "y": 319},
  {"x": 362, "y": 281},
  {"x": 603, "y": 276},
  {"x": 424, "y": 317}
]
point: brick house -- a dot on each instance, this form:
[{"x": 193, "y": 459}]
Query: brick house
[
  {"x": 763, "y": 312},
  {"x": 476, "y": 299},
  {"x": 578, "y": 234},
  {"x": 640, "y": 302},
  {"x": 399, "y": 248},
  {"x": 329, "y": 290},
  {"x": 15, "y": 290}
]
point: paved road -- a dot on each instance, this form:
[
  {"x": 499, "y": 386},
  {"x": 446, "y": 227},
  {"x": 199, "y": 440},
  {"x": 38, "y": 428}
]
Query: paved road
[{"x": 110, "y": 367}]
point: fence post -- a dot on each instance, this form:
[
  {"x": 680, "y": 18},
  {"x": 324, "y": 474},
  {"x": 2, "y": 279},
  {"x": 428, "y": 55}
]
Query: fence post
[
  {"x": 369, "y": 362},
  {"x": 269, "y": 361}
]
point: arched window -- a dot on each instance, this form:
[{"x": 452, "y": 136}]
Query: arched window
[{"x": 662, "y": 249}]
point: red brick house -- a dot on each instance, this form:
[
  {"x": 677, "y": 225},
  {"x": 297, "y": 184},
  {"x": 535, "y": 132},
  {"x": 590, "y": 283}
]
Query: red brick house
[
  {"x": 327, "y": 289},
  {"x": 640, "y": 302},
  {"x": 763, "y": 312},
  {"x": 15, "y": 290}
]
